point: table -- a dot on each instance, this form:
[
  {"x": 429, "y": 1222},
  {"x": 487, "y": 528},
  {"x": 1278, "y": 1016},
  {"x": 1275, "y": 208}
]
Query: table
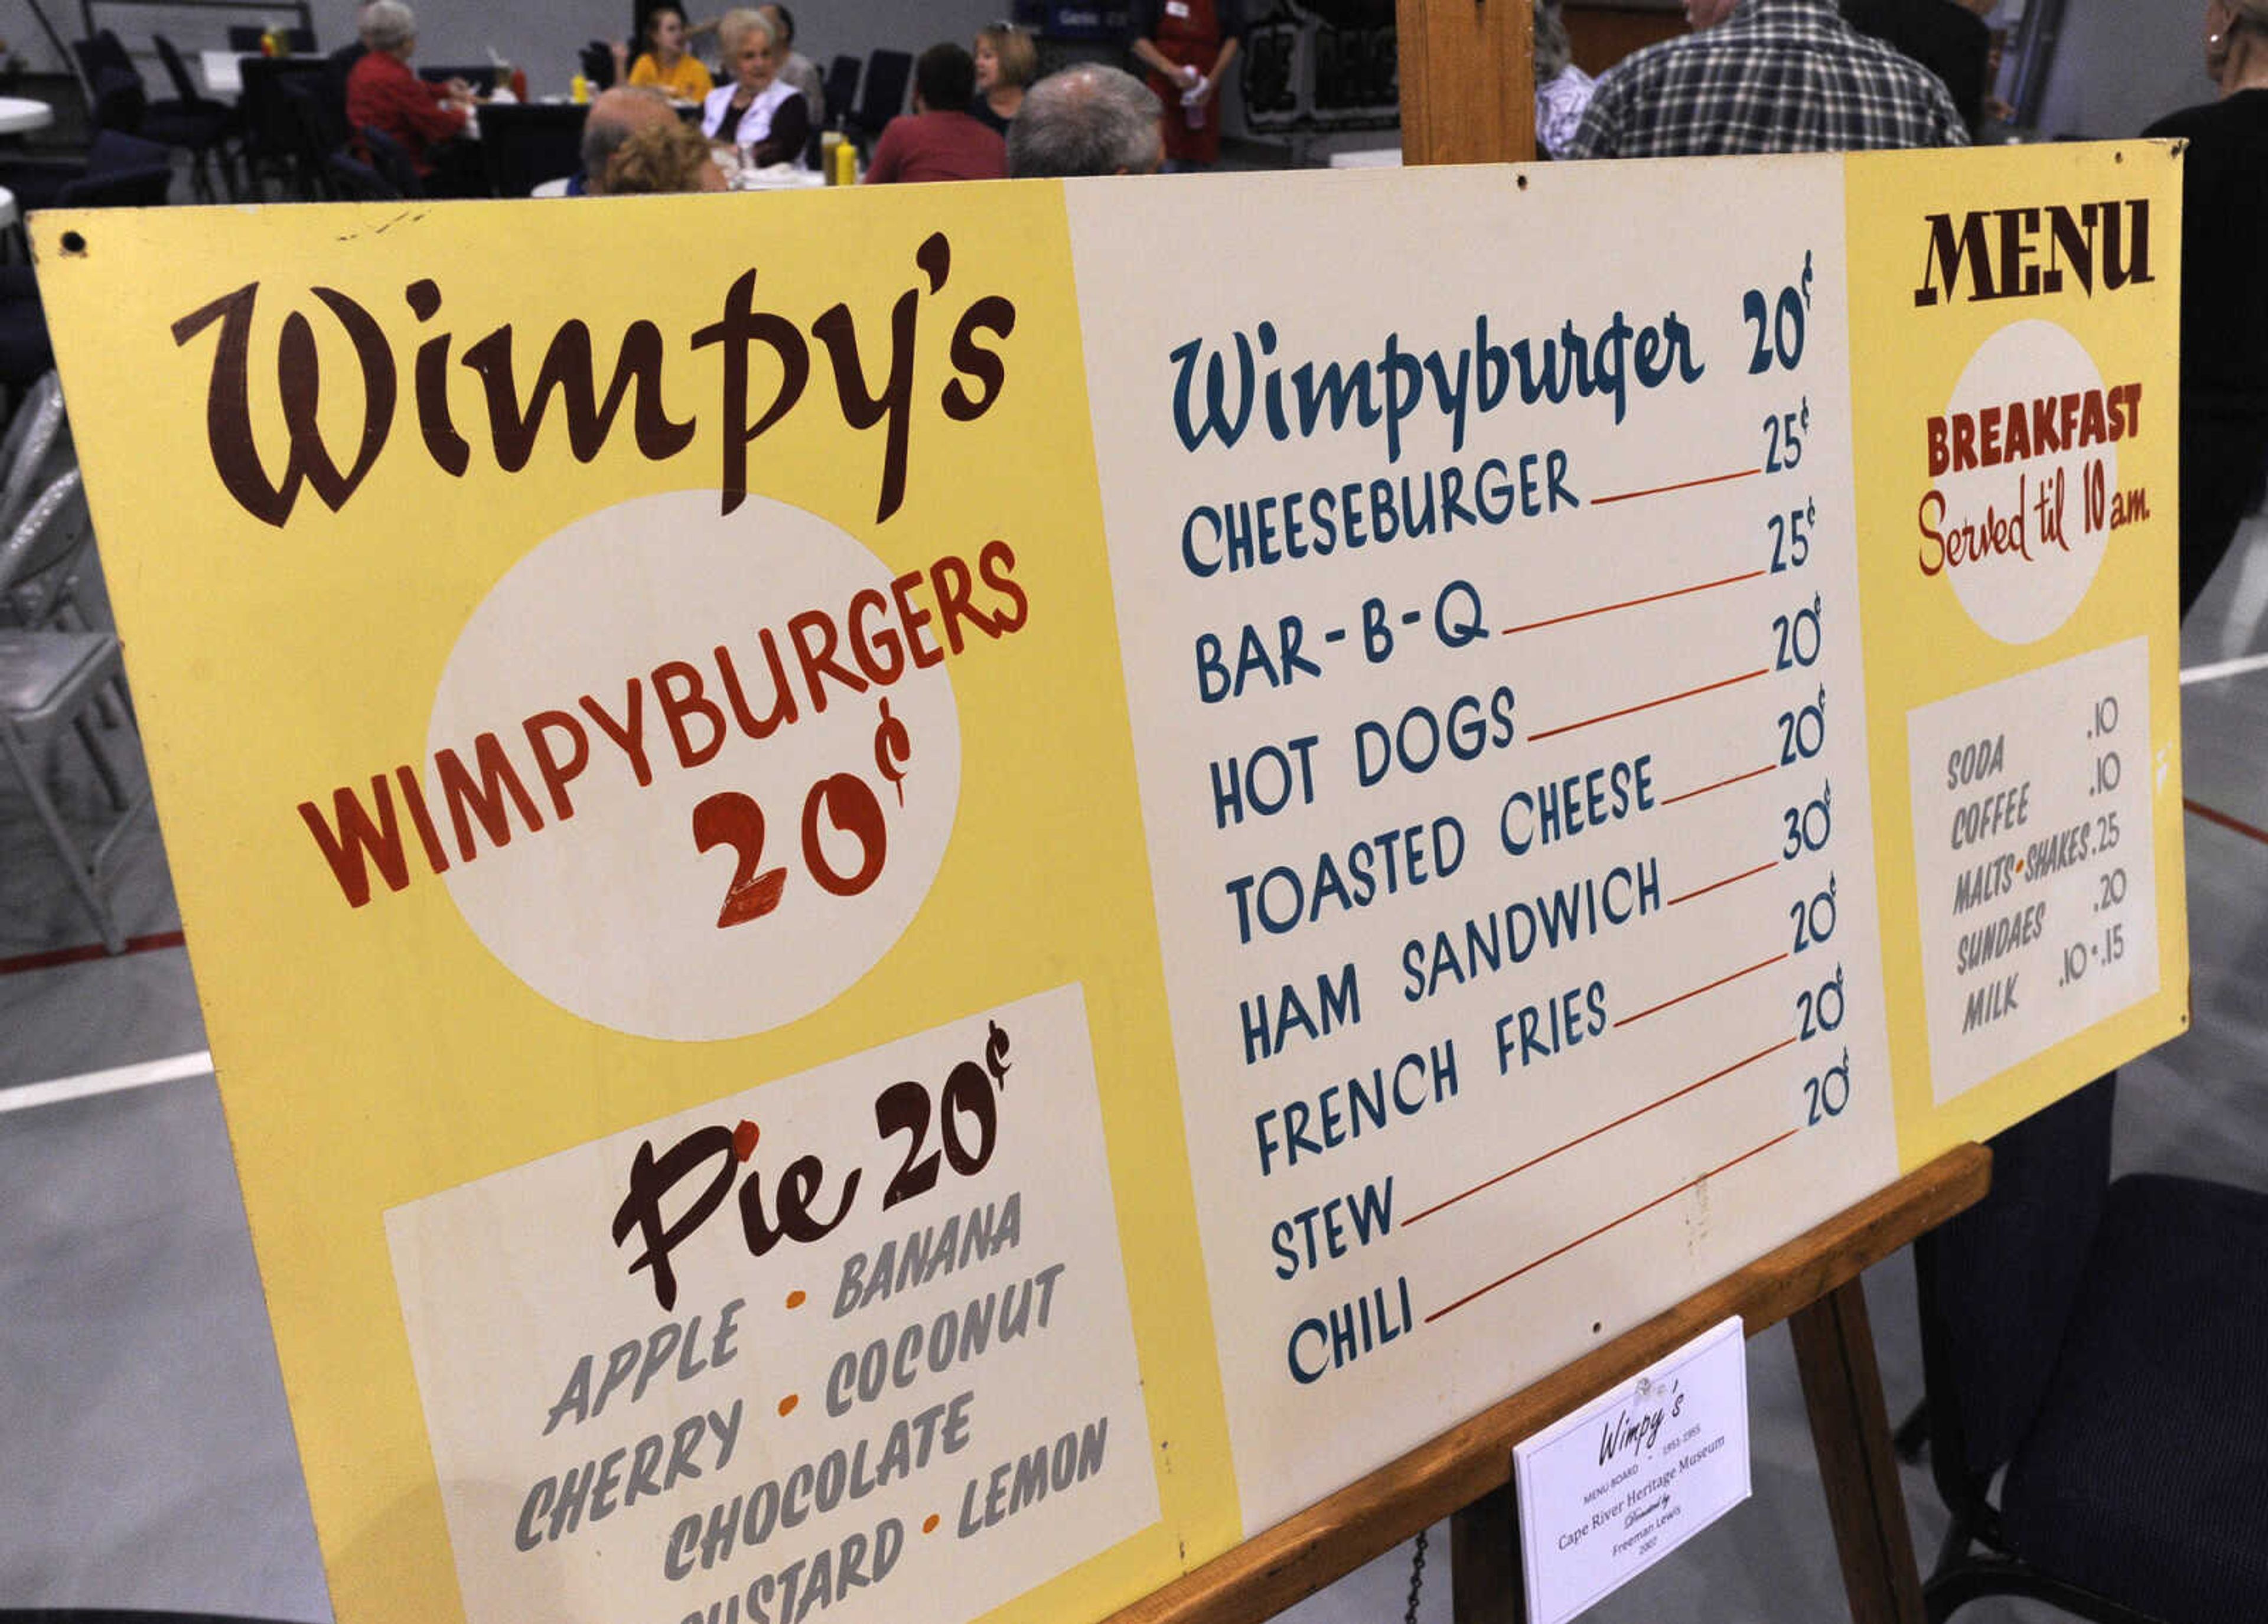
[
  {"x": 222, "y": 74},
  {"x": 223, "y": 71},
  {"x": 19, "y": 113},
  {"x": 777, "y": 179}
]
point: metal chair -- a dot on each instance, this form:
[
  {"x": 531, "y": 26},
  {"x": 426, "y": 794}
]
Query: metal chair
[
  {"x": 34, "y": 451},
  {"x": 51, "y": 683}
]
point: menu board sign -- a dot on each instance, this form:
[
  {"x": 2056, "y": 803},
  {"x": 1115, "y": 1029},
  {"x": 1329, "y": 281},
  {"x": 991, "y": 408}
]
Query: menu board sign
[{"x": 913, "y": 919}]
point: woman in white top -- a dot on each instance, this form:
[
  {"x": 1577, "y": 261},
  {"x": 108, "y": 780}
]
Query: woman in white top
[{"x": 758, "y": 111}]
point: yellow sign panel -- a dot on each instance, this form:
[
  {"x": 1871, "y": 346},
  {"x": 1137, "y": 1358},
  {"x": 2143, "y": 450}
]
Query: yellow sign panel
[{"x": 911, "y": 920}]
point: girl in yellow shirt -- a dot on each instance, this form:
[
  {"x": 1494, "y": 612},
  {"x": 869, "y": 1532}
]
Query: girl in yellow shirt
[{"x": 664, "y": 63}]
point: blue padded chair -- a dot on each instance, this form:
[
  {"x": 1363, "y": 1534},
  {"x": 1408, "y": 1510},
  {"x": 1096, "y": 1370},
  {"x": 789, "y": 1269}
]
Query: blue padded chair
[
  {"x": 2103, "y": 1342},
  {"x": 387, "y": 157},
  {"x": 25, "y": 351},
  {"x": 354, "y": 181},
  {"x": 840, "y": 87},
  {"x": 882, "y": 96},
  {"x": 204, "y": 127}
]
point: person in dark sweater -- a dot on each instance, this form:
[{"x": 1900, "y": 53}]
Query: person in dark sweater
[
  {"x": 1007, "y": 62},
  {"x": 2224, "y": 266},
  {"x": 1947, "y": 37},
  {"x": 756, "y": 109},
  {"x": 939, "y": 140}
]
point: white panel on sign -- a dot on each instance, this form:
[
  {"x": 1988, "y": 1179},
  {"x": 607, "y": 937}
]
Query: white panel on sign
[
  {"x": 1492, "y": 648},
  {"x": 2036, "y": 862},
  {"x": 873, "y": 1405}
]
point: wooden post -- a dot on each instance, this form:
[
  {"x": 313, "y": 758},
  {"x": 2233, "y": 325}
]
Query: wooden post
[
  {"x": 1842, "y": 1391},
  {"x": 1487, "y": 1585},
  {"x": 1468, "y": 80}
]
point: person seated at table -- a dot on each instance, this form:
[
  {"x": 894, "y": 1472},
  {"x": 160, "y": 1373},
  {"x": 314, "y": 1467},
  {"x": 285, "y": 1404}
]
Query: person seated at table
[
  {"x": 939, "y": 140},
  {"x": 615, "y": 116},
  {"x": 666, "y": 64},
  {"x": 1006, "y": 61},
  {"x": 795, "y": 68},
  {"x": 1090, "y": 120},
  {"x": 758, "y": 110},
  {"x": 662, "y": 158},
  {"x": 426, "y": 121}
]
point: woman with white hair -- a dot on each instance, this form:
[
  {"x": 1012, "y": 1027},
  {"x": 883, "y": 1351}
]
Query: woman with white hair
[
  {"x": 427, "y": 122},
  {"x": 2224, "y": 266},
  {"x": 757, "y": 111}
]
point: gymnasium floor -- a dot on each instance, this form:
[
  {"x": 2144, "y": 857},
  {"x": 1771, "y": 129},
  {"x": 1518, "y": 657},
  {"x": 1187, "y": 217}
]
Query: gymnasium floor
[{"x": 148, "y": 1458}]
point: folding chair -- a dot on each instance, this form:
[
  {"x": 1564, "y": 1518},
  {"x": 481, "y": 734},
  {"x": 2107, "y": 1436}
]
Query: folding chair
[
  {"x": 51, "y": 682},
  {"x": 35, "y": 448}
]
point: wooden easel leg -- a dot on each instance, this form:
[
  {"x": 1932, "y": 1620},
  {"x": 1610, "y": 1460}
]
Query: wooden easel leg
[
  {"x": 1850, "y": 1429},
  {"x": 1486, "y": 1586}
]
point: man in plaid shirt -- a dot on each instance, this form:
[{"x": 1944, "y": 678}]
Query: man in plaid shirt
[{"x": 1765, "y": 76}]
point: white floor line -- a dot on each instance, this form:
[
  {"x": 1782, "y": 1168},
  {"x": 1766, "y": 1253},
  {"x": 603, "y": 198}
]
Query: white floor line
[
  {"x": 116, "y": 1080},
  {"x": 2225, "y": 668}
]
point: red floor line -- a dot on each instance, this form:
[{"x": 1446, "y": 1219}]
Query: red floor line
[
  {"x": 54, "y": 956},
  {"x": 1711, "y": 986},
  {"x": 1631, "y": 603},
  {"x": 1618, "y": 1223},
  {"x": 1537, "y": 1161},
  {"x": 2225, "y": 821},
  {"x": 1761, "y": 868},
  {"x": 1661, "y": 490},
  {"x": 1651, "y": 704},
  {"x": 1722, "y": 783}
]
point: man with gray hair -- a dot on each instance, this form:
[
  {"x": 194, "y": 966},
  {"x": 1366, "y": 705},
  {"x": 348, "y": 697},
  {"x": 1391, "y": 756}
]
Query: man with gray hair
[
  {"x": 1086, "y": 120},
  {"x": 616, "y": 116}
]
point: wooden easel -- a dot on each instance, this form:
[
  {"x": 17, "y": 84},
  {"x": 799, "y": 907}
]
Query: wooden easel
[{"x": 1812, "y": 1282}]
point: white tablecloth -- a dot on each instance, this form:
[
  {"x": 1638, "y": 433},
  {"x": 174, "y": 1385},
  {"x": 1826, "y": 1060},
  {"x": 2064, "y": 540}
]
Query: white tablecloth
[
  {"x": 224, "y": 76},
  {"x": 20, "y": 112}
]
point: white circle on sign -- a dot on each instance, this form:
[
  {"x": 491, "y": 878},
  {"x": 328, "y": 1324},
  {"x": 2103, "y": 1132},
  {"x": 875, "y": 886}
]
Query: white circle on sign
[
  {"x": 2026, "y": 514},
  {"x": 789, "y": 825}
]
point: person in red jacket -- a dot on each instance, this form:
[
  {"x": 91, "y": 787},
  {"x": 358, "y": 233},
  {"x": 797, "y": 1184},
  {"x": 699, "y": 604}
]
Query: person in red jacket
[
  {"x": 938, "y": 140},
  {"x": 427, "y": 122}
]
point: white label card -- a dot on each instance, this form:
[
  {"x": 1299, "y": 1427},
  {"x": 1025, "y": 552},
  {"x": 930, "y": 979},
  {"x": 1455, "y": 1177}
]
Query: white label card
[{"x": 1623, "y": 1481}]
